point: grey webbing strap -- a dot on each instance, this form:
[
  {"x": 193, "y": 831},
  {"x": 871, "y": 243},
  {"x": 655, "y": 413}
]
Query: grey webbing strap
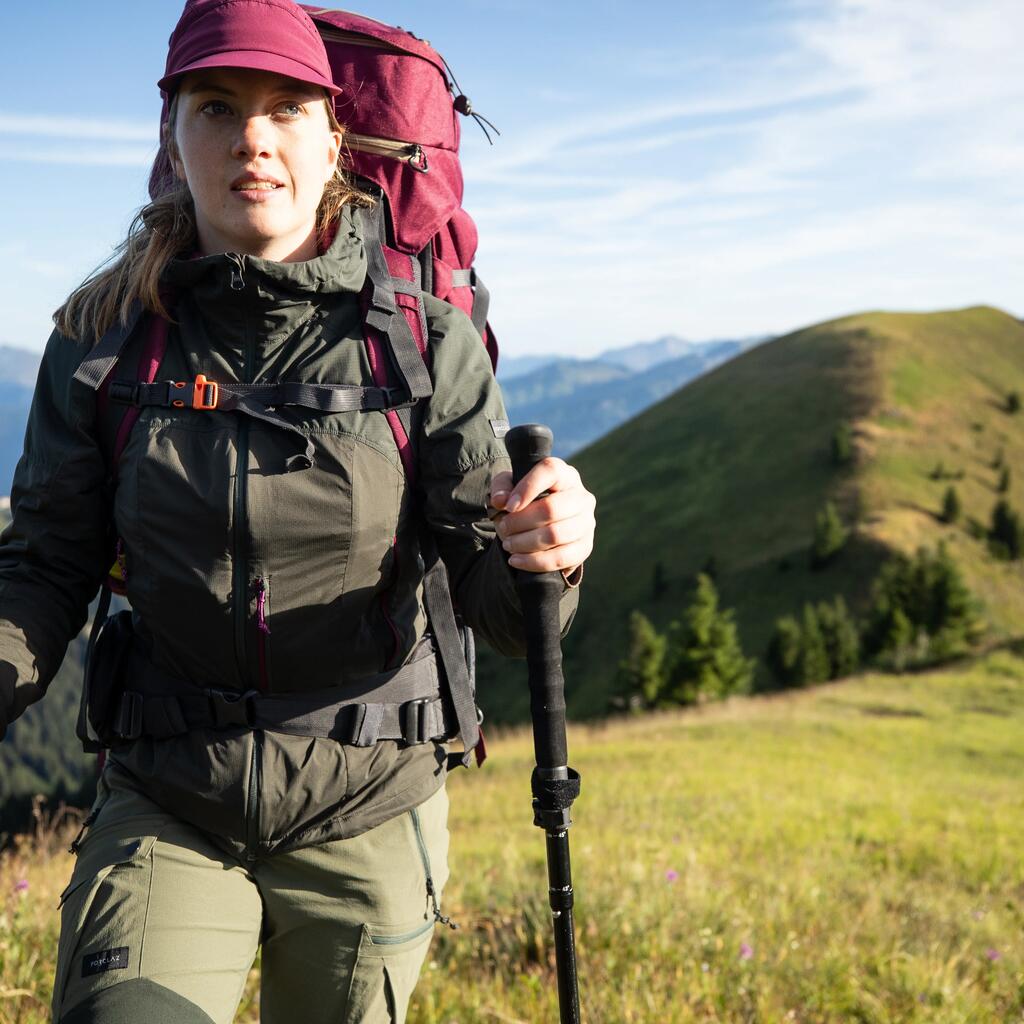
[
  {"x": 83, "y": 728},
  {"x": 462, "y": 278},
  {"x": 385, "y": 316},
  {"x": 103, "y": 356},
  {"x": 441, "y": 613},
  {"x": 405, "y": 287},
  {"x": 481, "y": 304}
]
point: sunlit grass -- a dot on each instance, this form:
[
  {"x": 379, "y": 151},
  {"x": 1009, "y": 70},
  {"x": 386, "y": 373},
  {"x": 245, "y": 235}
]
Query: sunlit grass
[{"x": 850, "y": 853}]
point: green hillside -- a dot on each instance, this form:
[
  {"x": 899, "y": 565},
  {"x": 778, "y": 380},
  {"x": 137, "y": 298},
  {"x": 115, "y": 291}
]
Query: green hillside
[{"x": 735, "y": 466}]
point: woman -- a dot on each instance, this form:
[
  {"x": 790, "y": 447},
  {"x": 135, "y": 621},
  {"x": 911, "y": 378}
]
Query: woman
[{"x": 210, "y": 836}]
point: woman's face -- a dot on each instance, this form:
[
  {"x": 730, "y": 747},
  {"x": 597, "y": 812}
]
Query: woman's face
[{"x": 256, "y": 150}]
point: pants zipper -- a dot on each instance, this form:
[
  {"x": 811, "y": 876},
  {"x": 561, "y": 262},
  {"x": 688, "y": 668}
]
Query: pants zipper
[{"x": 425, "y": 857}]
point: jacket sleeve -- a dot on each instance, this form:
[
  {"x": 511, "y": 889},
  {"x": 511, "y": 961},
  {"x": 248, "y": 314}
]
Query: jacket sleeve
[
  {"x": 54, "y": 552},
  {"x": 460, "y": 449}
]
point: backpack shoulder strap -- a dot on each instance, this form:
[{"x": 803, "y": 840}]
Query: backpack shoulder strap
[{"x": 403, "y": 336}]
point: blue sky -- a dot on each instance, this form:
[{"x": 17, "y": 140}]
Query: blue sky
[{"x": 708, "y": 169}]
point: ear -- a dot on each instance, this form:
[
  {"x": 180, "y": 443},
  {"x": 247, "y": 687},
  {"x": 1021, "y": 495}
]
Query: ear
[
  {"x": 171, "y": 146},
  {"x": 334, "y": 151}
]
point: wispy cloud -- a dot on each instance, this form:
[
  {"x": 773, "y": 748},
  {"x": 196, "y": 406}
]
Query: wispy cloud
[
  {"x": 878, "y": 136},
  {"x": 64, "y": 127}
]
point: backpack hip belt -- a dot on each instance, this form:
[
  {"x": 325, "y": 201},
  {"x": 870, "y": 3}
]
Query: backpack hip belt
[{"x": 403, "y": 704}]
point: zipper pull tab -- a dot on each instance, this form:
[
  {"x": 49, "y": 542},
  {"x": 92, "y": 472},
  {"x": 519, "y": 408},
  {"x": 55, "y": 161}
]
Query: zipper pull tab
[
  {"x": 237, "y": 280},
  {"x": 261, "y": 606},
  {"x": 439, "y": 918}
]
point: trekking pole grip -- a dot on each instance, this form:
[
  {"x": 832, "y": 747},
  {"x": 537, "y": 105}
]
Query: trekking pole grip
[{"x": 539, "y": 594}]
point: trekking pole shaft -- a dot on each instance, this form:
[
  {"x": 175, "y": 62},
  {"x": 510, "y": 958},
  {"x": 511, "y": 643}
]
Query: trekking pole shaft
[{"x": 539, "y": 595}]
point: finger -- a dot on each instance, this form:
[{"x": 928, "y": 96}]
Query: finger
[
  {"x": 567, "y": 556},
  {"x": 550, "y": 474},
  {"x": 501, "y": 485},
  {"x": 549, "y": 508},
  {"x": 552, "y": 535}
]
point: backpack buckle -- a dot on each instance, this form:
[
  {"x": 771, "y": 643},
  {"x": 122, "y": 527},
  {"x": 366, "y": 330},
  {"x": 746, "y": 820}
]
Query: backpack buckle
[
  {"x": 413, "y": 720},
  {"x": 229, "y": 707},
  {"x": 206, "y": 394},
  {"x": 395, "y": 400}
]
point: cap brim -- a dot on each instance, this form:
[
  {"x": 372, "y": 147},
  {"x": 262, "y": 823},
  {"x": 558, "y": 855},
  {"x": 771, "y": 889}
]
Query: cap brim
[{"x": 255, "y": 60}]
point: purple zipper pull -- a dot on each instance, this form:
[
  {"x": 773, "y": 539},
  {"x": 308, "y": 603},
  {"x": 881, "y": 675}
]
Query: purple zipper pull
[{"x": 261, "y": 607}]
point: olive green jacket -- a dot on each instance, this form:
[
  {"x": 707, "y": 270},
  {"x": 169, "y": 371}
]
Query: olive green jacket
[{"x": 219, "y": 539}]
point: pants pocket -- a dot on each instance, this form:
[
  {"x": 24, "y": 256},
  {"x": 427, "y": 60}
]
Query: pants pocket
[
  {"x": 103, "y": 914},
  {"x": 386, "y": 970}
]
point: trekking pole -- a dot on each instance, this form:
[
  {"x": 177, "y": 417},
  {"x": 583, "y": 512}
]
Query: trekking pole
[{"x": 555, "y": 785}]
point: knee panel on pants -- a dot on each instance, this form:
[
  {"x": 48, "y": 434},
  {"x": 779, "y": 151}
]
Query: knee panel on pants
[{"x": 136, "y": 1000}]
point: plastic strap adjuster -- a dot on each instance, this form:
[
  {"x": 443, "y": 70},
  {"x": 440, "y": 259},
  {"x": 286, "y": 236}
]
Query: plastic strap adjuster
[
  {"x": 124, "y": 392},
  {"x": 413, "y": 719},
  {"x": 229, "y": 707},
  {"x": 206, "y": 394},
  {"x": 128, "y": 722}
]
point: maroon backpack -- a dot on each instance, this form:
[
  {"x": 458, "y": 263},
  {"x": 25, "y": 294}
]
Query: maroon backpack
[{"x": 399, "y": 107}]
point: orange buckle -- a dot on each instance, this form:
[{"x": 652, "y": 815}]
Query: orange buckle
[{"x": 199, "y": 395}]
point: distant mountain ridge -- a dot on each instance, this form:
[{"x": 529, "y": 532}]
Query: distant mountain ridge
[{"x": 581, "y": 400}]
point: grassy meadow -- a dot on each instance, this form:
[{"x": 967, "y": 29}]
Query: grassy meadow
[{"x": 849, "y": 853}]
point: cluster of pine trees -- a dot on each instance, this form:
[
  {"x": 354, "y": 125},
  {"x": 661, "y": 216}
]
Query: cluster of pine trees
[
  {"x": 698, "y": 659},
  {"x": 921, "y": 612}
]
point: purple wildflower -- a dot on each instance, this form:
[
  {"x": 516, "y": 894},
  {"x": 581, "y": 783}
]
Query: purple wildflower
[
  {"x": 671, "y": 875},
  {"x": 746, "y": 951},
  {"x": 21, "y": 886},
  {"x": 994, "y": 954}
]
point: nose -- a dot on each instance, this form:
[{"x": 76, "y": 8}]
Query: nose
[{"x": 254, "y": 139}]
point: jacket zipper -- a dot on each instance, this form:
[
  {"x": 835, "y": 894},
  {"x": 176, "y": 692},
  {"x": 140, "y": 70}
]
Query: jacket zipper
[
  {"x": 425, "y": 857},
  {"x": 241, "y": 579}
]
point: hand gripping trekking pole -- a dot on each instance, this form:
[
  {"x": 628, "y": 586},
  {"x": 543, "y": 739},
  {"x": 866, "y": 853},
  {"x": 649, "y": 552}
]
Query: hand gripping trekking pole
[{"x": 555, "y": 785}]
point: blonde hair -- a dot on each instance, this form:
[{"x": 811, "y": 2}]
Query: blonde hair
[{"x": 161, "y": 230}]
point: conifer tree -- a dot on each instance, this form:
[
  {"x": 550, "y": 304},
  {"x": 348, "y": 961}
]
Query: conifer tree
[
  {"x": 829, "y": 536},
  {"x": 954, "y": 621},
  {"x": 704, "y": 659},
  {"x": 1005, "y": 534},
  {"x": 842, "y": 444},
  {"x": 783, "y": 654},
  {"x": 814, "y": 663},
  {"x": 951, "y": 505},
  {"x": 1013, "y": 402},
  {"x": 641, "y": 672},
  {"x": 841, "y": 636},
  {"x": 898, "y": 640},
  {"x": 1004, "y": 480}
]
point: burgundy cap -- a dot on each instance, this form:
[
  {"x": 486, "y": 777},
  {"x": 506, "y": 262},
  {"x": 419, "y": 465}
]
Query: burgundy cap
[{"x": 267, "y": 35}]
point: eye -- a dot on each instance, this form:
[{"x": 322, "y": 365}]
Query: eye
[
  {"x": 292, "y": 109},
  {"x": 214, "y": 107}
]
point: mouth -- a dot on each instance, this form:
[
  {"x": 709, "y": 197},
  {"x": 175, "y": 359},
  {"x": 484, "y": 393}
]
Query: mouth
[{"x": 256, "y": 183}]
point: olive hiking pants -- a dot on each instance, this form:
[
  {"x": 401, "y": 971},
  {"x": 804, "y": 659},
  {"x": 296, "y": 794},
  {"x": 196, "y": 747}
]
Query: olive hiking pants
[{"x": 160, "y": 925}]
